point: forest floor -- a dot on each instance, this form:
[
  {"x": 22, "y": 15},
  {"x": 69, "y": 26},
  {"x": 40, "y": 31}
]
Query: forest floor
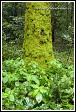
[
  {"x": 64, "y": 53},
  {"x": 59, "y": 73}
]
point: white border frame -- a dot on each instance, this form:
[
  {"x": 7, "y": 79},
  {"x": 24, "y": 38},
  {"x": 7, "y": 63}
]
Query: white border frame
[{"x": 74, "y": 55}]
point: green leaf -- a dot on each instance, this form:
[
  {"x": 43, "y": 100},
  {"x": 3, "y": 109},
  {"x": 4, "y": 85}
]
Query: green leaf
[
  {"x": 16, "y": 83},
  {"x": 29, "y": 77},
  {"x": 34, "y": 65},
  {"x": 53, "y": 105},
  {"x": 5, "y": 79},
  {"x": 34, "y": 85},
  {"x": 8, "y": 90},
  {"x": 42, "y": 81},
  {"x": 39, "y": 97},
  {"x": 43, "y": 90},
  {"x": 27, "y": 100},
  {"x": 11, "y": 97},
  {"x": 34, "y": 78},
  {"x": 23, "y": 73},
  {"x": 35, "y": 92},
  {"x": 4, "y": 95},
  {"x": 59, "y": 65}
]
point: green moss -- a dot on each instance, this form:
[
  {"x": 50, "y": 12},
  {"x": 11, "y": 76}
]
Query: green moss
[{"x": 38, "y": 37}]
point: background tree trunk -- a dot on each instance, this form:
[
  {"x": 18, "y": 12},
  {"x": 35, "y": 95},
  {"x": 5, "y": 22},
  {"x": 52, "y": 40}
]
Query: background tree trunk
[
  {"x": 38, "y": 36},
  {"x": 67, "y": 16},
  {"x": 72, "y": 9},
  {"x": 54, "y": 20}
]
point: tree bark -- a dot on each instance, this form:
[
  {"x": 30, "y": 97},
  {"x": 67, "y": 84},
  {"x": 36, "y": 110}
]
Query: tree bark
[
  {"x": 38, "y": 36},
  {"x": 67, "y": 15},
  {"x": 72, "y": 9},
  {"x": 54, "y": 24}
]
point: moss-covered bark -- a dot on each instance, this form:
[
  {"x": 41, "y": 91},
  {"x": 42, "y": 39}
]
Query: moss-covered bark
[{"x": 38, "y": 36}]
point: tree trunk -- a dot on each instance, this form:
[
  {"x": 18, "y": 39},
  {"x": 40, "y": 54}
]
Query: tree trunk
[
  {"x": 72, "y": 9},
  {"x": 67, "y": 16},
  {"x": 14, "y": 11},
  {"x": 54, "y": 24},
  {"x": 38, "y": 36}
]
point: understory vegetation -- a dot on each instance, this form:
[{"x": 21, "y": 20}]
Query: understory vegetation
[{"x": 27, "y": 86}]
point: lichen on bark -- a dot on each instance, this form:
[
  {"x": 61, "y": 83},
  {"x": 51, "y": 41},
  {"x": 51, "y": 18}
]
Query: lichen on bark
[{"x": 38, "y": 36}]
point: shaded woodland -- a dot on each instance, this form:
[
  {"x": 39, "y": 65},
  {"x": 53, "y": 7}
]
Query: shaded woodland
[{"x": 28, "y": 86}]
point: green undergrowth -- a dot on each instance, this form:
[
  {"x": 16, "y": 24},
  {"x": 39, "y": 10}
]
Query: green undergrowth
[
  {"x": 64, "y": 53},
  {"x": 29, "y": 87}
]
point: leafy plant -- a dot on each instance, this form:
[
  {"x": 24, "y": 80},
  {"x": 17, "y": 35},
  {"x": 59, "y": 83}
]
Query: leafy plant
[{"x": 27, "y": 86}]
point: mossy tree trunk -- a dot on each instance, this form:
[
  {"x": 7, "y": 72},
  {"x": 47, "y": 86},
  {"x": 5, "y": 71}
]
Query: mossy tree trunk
[{"x": 38, "y": 36}]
